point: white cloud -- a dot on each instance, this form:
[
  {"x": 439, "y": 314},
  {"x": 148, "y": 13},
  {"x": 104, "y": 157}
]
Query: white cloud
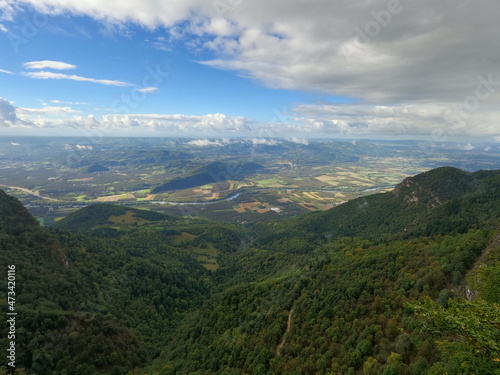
[
  {"x": 397, "y": 61},
  {"x": 3, "y": 28},
  {"x": 70, "y": 103},
  {"x": 58, "y": 65},
  {"x": 300, "y": 141},
  {"x": 5, "y": 71},
  {"x": 178, "y": 123},
  {"x": 51, "y": 75},
  {"x": 46, "y": 110},
  {"x": 7, "y": 113},
  {"x": 149, "y": 90},
  {"x": 206, "y": 142},
  {"x": 266, "y": 142},
  {"x": 8, "y": 9},
  {"x": 469, "y": 147},
  {"x": 336, "y": 47},
  {"x": 439, "y": 120}
]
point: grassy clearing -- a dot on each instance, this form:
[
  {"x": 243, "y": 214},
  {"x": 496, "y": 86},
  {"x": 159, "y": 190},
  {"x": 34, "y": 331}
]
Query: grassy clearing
[
  {"x": 271, "y": 182},
  {"x": 127, "y": 218},
  {"x": 183, "y": 237},
  {"x": 207, "y": 256}
]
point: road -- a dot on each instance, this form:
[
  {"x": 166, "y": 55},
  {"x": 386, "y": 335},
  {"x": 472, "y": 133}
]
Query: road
[{"x": 31, "y": 192}]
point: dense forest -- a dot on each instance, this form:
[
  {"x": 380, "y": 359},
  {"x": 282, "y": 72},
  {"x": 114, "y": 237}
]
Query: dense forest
[{"x": 405, "y": 282}]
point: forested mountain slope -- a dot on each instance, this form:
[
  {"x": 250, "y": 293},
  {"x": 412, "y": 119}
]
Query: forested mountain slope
[
  {"x": 375, "y": 286},
  {"x": 441, "y": 201},
  {"x": 93, "y": 306}
]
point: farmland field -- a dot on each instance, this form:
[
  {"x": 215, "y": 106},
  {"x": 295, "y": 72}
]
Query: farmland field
[{"x": 241, "y": 181}]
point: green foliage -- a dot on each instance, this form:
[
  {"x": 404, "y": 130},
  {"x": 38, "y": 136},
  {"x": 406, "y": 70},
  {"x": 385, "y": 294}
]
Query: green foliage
[
  {"x": 319, "y": 294},
  {"x": 91, "y": 305},
  {"x": 468, "y": 333},
  {"x": 441, "y": 201},
  {"x": 347, "y": 308}
]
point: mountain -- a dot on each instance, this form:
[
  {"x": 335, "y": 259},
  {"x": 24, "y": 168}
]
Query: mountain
[
  {"x": 88, "y": 305},
  {"x": 404, "y": 282},
  {"x": 444, "y": 200},
  {"x": 337, "y": 292},
  {"x": 214, "y": 173}
]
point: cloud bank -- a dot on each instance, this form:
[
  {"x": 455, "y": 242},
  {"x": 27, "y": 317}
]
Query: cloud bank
[{"x": 410, "y": 67}]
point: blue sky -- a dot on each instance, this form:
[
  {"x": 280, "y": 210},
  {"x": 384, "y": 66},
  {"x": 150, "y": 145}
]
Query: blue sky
[{"x": 376, "y": 69}]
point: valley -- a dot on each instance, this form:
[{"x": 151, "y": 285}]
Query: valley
[
  {"x": 399, "y": 282},
  {"x": 239, "y": 180}
]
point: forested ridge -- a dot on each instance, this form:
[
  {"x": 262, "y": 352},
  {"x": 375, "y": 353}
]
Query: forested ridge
[{"x": 405, "y": 282}]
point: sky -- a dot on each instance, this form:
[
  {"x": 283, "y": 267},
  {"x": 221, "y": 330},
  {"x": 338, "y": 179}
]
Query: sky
[{"x": 398, "y": 69}]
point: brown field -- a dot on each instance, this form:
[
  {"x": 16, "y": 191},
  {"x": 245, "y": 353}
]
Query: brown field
[
  {"x": 263, "y": 210},
  {"x": 328, "y": 180},
  {"x": 240, "y": 210},
  {"x": 308, "y": 206},
  {"x": 313, "y": 195},
  {"x": 115, "y": 198},
  {"x": 250, "y": 205}
]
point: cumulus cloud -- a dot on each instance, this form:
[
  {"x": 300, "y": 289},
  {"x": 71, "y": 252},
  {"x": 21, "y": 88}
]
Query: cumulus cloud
[
  {"x": 469, "y": 147},
  {"x": 8, "y": 8},
  {"x": 51, "y": 75},
  {"x": 264, "y": 141},
  {"x": 7, "y": 113},
  {"x": 300, "y": 141},
  {"x": 179, "y": 123},
  {"x": 57, "y": 65},
  {"x": 440, "y": 120},
  {"x": 208, "y": 142}
]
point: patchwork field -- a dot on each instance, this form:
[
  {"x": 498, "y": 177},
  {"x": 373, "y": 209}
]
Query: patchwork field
[
  {"x": 285, "y": 180},
  {"x": 207, "y": 255}
]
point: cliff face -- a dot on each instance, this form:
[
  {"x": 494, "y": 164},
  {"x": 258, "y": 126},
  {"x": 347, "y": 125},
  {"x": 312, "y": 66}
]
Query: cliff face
[{"x": 435, "y": 187}]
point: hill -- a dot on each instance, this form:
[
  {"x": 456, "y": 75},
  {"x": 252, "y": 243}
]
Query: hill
[
  {"x": 106, "y": 218},
  {"x": 213, "y": 173},
  {"x": 96, "y": 168}
]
